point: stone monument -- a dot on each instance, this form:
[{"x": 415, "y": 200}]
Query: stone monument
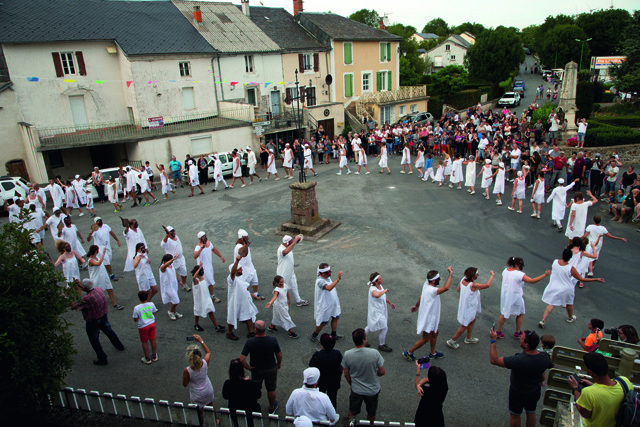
[
  {"x": 568, "y": 97},
  {"x": 305, "y": 215}
]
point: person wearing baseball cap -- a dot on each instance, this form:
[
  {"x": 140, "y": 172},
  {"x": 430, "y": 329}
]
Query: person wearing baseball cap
[
  {"x": 203, "y": 256},
  {"x": 308, "y": 402},
  {"x": 287, "y": 162},
  {"x": 100, "y": 233},
  {"x": 251, "y": 163},
  {"x": 194, "y": 181}
]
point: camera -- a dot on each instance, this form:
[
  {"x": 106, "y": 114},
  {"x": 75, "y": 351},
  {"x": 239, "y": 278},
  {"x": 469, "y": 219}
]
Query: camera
[{"x": 613, "y": 332}]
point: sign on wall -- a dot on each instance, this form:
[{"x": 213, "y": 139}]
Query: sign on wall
[{"x": 156, "y": 122}]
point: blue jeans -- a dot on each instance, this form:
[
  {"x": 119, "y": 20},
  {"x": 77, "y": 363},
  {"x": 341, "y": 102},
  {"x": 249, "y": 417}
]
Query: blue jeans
[
  {"x": 93, "y": 332},
  {"x": 609, "y": 186},
  {"x": 389, "y": 147}
]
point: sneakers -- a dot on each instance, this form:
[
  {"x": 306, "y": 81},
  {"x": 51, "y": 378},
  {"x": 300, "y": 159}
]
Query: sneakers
[
  {"x": 154, "y": 357},
  {"x": 533, "y": 215},
  {"x": 293, "y": 335},
  {"x": 538, "y": 215},
  {"x": 409, "y": 356},
  {"x": 348, "y": 171},
  {"x": 337, "y": 336},
  {"x": 275, "y": 408},
  {"x": 81, "y": 214},
  {"x": 471, "y": 340},
  {"x": 172, "y": 316},
  {"x": 500, "y": 334},
  {"x": 517, "y": 335},
  {"x": 155, "y": 201},
  {"x": 402, "y": 172},
  {"x": 113, "y": 278},
  {"x": 498, "y": 202},
  {"x": 302, "y": 303},
  {"x": 510, "y": 208},
  {"x": 277, "y": 179},
  {"x": 260, "y": 296},
  {"x": 220, "y": 328},
  {"x": 215, "y": 299},
  {"x": 147, "y": 204},
  {"x": 357, "y": 173},
  {"x": 315, "y": 339},
  {"x": 436, "y": 355},
  {"x": 519, "y": 212},
  {"x": 244, "y": 185},
  {"x": 198, "y": 328},
  {"x": 385, "y": 348},
  {"x": 118, "y": 307},
  {"x": 581, "y": 285},
  {"x": 272, "y": 328},
  {"x": 542, "y": 324},
  {"x": 410, "y": 172},
  {"x": 251, "y": 334},
  {"x": 231, "y": 336},
  {"x": 572, "y": 319},
  {"x": 473, "y": 192},
  {"x": 589, "y": 274},
  {"x": 368, "y": 173},
  {"x": 145, "y": 360},
  {"x": 339, "y": 173},
  {"x": 178, "y": 315},
  {"x": 102, "y": 362},
  {"x": 186, "y": 288},
  {"x": 454, "y": 345}
]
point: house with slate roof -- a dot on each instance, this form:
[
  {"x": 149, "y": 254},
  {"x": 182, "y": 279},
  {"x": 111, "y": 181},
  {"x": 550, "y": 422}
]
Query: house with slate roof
[
  {"x": 108, "y": 83},
  {"x": 451, "y": 51}
]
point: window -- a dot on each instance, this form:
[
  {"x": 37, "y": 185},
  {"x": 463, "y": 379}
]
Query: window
[
  {"x": 311, "y": 96},
  {"x": 348, "y": 85},
  {"x": 453, "y": 57},
  {"x": 201, "y": 145},
  {"x": 55, "y": 159},
  {"x": 403, "y": 109},
  {"x": 366, "y": 82},
  {"x": 185, "y": 69},
  {"x": 248, "y": 63},
  {"x": 385, "y": 52},
  {"x": 385, "y": 115},
  {"x": 384, "y": 81},
  {"x": 188, "y": 102},
  {"x": 348, "y": 53},
  {"x": 252, "y": 97},
  {"x": 309, "y": 62},
  {"x": 447, "y": 47},
  {"x": 68, "y": 63},
  {"x": 414, "y": 108}
]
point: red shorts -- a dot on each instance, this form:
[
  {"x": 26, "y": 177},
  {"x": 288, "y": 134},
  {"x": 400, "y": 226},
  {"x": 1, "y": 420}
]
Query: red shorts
[{"x": 147, "y": 333}]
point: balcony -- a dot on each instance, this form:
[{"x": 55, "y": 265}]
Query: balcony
[
  {"x": 403, "y": 94},
  {"x": 54, "y": 138}
]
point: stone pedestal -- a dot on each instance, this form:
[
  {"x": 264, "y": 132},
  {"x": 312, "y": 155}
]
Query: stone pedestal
[
  {"x": 568, "y": 95},
  {"x": 305, "y": 214}
]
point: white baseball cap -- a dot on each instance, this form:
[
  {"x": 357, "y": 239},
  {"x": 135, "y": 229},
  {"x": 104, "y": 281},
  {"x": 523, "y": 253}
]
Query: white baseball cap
[
  {"x": 248, "y": 148},
  {"x": 311, "y": 375},
  {"x": 96, "y": 219},
  {"x": 201, "y": 234},
  {"x": 287, "y": 239},
  {"x": 170, "y": 228},
  {"x": 561, "y": 181},
  {"x": 242, "y": 233},
  {"x": 77, "y": 176}
]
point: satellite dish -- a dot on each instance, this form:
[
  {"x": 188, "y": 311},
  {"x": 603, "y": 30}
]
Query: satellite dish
[
  {"x": 328, "y": 80},
  {"x": 287, "y": 100},
  {"x": 385, "y": 21}
]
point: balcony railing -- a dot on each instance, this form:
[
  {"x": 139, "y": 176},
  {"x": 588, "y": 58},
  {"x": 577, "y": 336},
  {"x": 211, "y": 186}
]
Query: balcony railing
[
  {"x": 404, "y": 93},
  {"x": 119, "y": 132}
]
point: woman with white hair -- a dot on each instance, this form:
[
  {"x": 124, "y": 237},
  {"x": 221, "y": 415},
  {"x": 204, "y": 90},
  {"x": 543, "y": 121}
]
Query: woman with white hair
[
  {"x": 195, "y": 376},
  {"x": 377, "y": 310},
  {"x": 519, "y": 187}
]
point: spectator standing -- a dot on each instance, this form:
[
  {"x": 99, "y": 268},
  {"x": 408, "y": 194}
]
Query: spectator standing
[
  {"x": 265, "y": 359},
  {"x": 611, "y": 175},
  {"x": 203, "y": 170},
  {"x": 527, "y": 375},
  {"x": 432, "y": 391},
  {"x": 582, "y": 130},
  {"x": 328, "y": 361},
  {"x": 362, "y": 367},
  {"x": 241, "y": 393},
  {"x": 176, "y": 168},
  {"x": 309, "y": 401},
  {"x": 195, "y": 376},
  {"x": 579, "y": 170}
]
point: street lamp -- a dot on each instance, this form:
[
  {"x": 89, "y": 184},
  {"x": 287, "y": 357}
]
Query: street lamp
[{"x": 582, "y": 50}]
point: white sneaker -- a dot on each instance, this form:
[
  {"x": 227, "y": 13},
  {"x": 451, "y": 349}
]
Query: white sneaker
[
  {"x": 401, "y": 171},
  {"x": 533, "y": 215},
  {"x": 277, "y": 179},
  {"x": 243, "y": 185},
  {"x": 499, "y": 202},
  {"x": 471, "y": 340},
  {"x": 178, "y": 315},
  {"x": 454, "y": 345},
  {"x": 541, "y": 324},
  {"x": 473, "y": 192},
  {"x": 81, "y": 214},
  {"x": 171, "y": 315},
  {"x": 538, "y": 216},
  {"x": 368, "y": 173},
  {"x": 339, "y": 173},
  {"x": 572, "y": 319},
  {"x": 357, "y": 173},
  {"x": 510, "y": 208},
  {"x": 348, "y": 172}
]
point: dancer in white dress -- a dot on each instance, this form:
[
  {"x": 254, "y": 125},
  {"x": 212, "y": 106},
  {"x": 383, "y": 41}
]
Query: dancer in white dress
[
  {"x": 71, "y": 198},
  {"x": 194, "y": 180},
  {"x": 101, "y": 233},
  {"x": 57, "y": 193},
  {"x": 512, "y": 294},
  {"x": 420, "y": 160},
  {"x": 203, "y": 255},
  {"x": 169, "y": 285},
  {"x": 280, "y": 302},
  {"x": 53, "y": 221},
  {"x": 362, "y": 161},
  {"x": 308, "y": 160},
  {"x": 70, "y": 233},
  {"x": 172, "y": 245},
  {"x": 287, "y": 162},
  {"x": 69, "y": 260},
  {"x": 251, "y": 163},
  {"x": 558, "y": 200},
  {"x": 518, "y": 192},
  {"x": 383, "y": 156},
  {"x": 498, "y": 187},
  {"x": 537, "y": 198},
  {"x": 165, "y": 182},
  {"x": 406, "y": 158},
  {"x": 343, "y": 159},
  {"x": 81, "y": 198},
  {"x": 112, "y": 194},
  {"x": 377, "y": 319},
  {"x": 578, "y": 215},
  {"x": 487, "y": 178},
  {"x": 561, "y": 287},
  {"x": 144, "y": 275},
  {"x": 469, "y": 305},
  {"x": 439, "y": 176},
  {"x": 596, "y": 234},
  {"x": 326, "y": 303},
  {"x": 132, "y": 235},
  {"x": 456, "y": 173},
  {"x": 217, "y": 173},
  {"x": 448, "y": 167},
  {"x": 271, "y": 167},
  {"x": 429, "y": 314},
  {"x": 196, "y": 377},
  {"x": 470, "y": 177},
  {"x": 146, "y": 184},
  {"x": 98, "y": 273},
  {"x": 285, "y": 268},
  {"x": 240, "y": 307},
  {"x": 248, "y": 269},
  {"x": 202, "y": 304}
]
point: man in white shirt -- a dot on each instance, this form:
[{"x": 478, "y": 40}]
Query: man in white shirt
[
  {"x": 582, "y": 130},
  {"x": 14, "y": 210},
  {"x": 515, "y": 160},
  {"x": 57, "y": 193},
  {"x": 285, "y": 268},
  {"x": 145, "y": 186},
  {"x": 309, "y": 401},
  {"x": 53, "y": 221},
  {"x": 355, "y": 146},
  {"x": 553, "y": 130},
  {"x": 217, "y": 173},
  {"x": 251, "y": 163}
]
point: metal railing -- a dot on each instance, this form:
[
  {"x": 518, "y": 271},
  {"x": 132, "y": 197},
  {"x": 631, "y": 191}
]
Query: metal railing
[
  {"x": 124, "y": 131},
  {"x": 403, "y": 93}
]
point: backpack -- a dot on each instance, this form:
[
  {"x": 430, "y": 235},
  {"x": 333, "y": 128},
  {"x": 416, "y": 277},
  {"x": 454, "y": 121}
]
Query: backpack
[{"x": 629, "y": 412}]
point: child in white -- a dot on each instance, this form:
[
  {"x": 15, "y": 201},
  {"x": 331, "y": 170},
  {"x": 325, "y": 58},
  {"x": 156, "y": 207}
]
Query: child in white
[
  {"x": 519, "y": 187},
  {"x": 456, "y": 173},
  {"x": 377, "y": 310},
  {"x": 169, "y": 285},
  {"x": 343, "y": 160},
  {"x": 89, "y": 206},
  {"x": 143, "y": 314},
  {"x": 202, "y": 303},
  {"x": 383, "y": 159},
  {"x": 144, "y": 275},
  {"x": 487, "y": 178},
  {"x": 469, "y": 305},
  {"x": 498, "y": 188},
  {"x": 420, "y": 160},
  {"x": 280, "y": 302},
  {"x": 537, "y": 198},
  {"x": 470, "y": 180},
  {"x": 406, "y": 159},
  {"x": 362, "y": 162},
  {"x": 439, "y": 176}
]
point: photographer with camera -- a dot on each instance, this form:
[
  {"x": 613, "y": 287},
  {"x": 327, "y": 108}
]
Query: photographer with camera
[
  {"x": 590, "y": 343},
  {"x": 624, "y": 333}
]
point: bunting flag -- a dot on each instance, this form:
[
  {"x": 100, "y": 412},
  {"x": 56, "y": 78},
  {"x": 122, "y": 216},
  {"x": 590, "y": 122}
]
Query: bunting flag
[{"x": 216, "y": 80}]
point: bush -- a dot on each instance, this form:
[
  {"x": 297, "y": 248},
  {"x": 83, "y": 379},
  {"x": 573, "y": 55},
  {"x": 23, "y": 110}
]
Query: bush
[
  {"x": 584, "y": 99},
  {"x": 463, "y": 99},
  {"x": 595, "y": 108},
  {"x": 626, "y": 121},
  {"x": 435, "y": 106},
  {"x": 606, "y": 136},
  {"x": 543, "y": 112},
  {"x": 607, "y": 97}
]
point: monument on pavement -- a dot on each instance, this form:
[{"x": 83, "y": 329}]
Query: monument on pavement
[
  {"x": 568, "y": 96},
  {"x": 305, "y": 214}
]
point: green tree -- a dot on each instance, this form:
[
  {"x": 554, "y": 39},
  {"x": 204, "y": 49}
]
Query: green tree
[
  {"x": 605, "y": 27},
  {"x": 412, "y": 66},
  {"x": 547, "y": 26},
  {"x": 366, "y": 16},
  {"x": 584, "y": 99},
  {"x": 450, "y": 80},
  {"x": 561, "y": 43},
  {"x": 437, "y": 26},
  {"x": 495, "y": 55},
  {"x": 36, "y": 346},
  {"x": 473, "y": 28},
  {"x": 627, "y": 75},
  {"x": 528, "y": 36}
]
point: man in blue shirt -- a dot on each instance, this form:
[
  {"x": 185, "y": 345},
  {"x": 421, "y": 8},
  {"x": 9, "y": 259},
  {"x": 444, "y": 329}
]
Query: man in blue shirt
[{"x": 176, "y": 168}]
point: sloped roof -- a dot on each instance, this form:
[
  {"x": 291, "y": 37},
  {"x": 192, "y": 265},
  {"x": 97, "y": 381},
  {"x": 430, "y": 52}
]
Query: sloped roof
[
  {"x": 460, "y": 40},
  {"x": 150, "y": 27},
  {"x": 226, "y": 28},
  {"x": 428, "y": 36},
  {"x": 283, "y": 29},
  {"x": 327, "y": 26}
]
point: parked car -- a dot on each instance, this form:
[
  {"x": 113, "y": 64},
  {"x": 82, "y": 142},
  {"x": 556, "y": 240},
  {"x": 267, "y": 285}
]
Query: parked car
[
  {"x": 527, "y": 51},
  {"x": 106, "y": 174},
  {"x": 417, "y": 118},
  {"x": 509, "y": 99},
  {"x": 227, "y": 165},
  {"x": 519, "y": 83},
  {"x": 9, "y": 186},
  {"x": 519, "y": 90}
]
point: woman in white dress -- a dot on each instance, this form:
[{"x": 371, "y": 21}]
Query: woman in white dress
[
  {"x": 287, "y": 162},
  {"x": 447, "y": 167},
  {"x": 487, "y": 178},
  {"x": 271, "y": 166},
  {"x": 144, "y": 275},
  {"x": 537, "y": 198},
  {"x": 308, "y": 160},
  {"x": 561, "y": 287},
  {"x": 470, "y": 177},
  {"x": 69, "y": 260},
  {"x": 195, "y": 376},
  {"x": 280, "y": 303},
  {"x": 343, "y": 160},
  {"x": 511, "y": 295},
  {"x": 112, "y": 194},
  {"x": 202, "y": 303},
  {"x": 519, "y": 187},
  {"x": 169, "y": 285},
  {"x": 420, "y": 160},
  {"x": 71, "y": 198},
  {"x": 377, "y": 310},
  {"x": 362, "y": 161},
  {"x": 406, "y": 158},
  {"x": 383, "y": 159},
  {"x": 469, "y": 305},
  {"x": 456, "y": 172},
  {"x": 578, "y": 215},
  {"x": 164, "y": 180},
  {"x": 98, "y": 273},
  {"x": 498, "y": 187}
]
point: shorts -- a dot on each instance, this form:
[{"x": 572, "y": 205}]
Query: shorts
[
  {"x": 181, "y": 270},
  {"x": 519, "y": 401},
  {"x": 175, "y": 175},
  {"x": 332, "y": 317},
  {"x": 270, "y": 377},
  {"x": 370, "y": 403},
  {"x": 147, "y": 333}
]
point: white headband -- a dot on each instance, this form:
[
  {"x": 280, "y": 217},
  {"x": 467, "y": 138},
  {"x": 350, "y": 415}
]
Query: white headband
[
  {"x": 437, "y": 276},
  {"x": 324, "y": 270},
  {"x": 375, "y": 278}
]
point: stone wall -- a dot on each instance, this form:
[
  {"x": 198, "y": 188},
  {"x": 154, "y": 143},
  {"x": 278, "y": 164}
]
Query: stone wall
[{"x": 628, "y": 154}]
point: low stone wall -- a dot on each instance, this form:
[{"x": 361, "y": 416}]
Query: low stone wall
[{"x": 627, "y": 154}]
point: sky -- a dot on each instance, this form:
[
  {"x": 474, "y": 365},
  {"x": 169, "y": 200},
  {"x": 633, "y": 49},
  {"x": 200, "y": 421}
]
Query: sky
[{"x": 516, "y": 13}]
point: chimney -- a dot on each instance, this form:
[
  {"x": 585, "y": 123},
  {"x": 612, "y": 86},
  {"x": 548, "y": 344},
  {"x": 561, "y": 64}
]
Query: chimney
[
  {"x": 245, "y": 8},
  {"x": 197, "y": 15},
  {"x": 381, "y": 25},
  {"x": 297, "y": 7}
]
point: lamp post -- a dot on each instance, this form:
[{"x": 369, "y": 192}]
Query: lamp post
[{"x": 582, "y": 50}]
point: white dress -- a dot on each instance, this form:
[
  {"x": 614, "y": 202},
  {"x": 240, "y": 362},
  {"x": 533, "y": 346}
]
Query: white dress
[
  {"x": 343, "y": 158},
  {"x": 327, "y": 304},
  {"x": 363, "y": 158},
  {"x": 72, "y": 198},
  {"x": 98, "y": 274},
  {"x": 558, "y": 200},
  {"x": 144, "y": 275},
  {"x": 420, "y": 160},
  {"x": 383, "y": 157},
  {"x": 194, "y": 181},
  {"x": 240, "y": 307},
  {"x": 249, "y": 272},
  {"x": 538, "y": 195},
  {"x": 132, "y": 238},
  {"x": 377, "y": 310},
  {"x": 272, "y": 164},
  {"x": 200, "y": 388},
  {"x": 166, "y": 185},
  {"x": 406, "y": 156},
  {"x": 169, "y": 286},
  {"x": 580, "y": 220},
  {"x": 470, "y": 180},
  {"x": 512, "y": 293},
  {"x": 498, "y": 188},
  {"x": 281, "y": 315},
  {"x": 486, "y": 176},
  {"x": 429, "y": 310},
  {"x": 439, "y": 173},
  {"x": 308, "y": 160},
  {"x": 285, "y": 269},
  {"x": 111, "y": 193},
  {"x": 288, "y": 158},
  {"x": 456, "y": 170},
  {"x": 561, "y": 288},
  {"x": 70, "y": 269},
  {"x": 101, "y": 238},
  {"x": 520, "y": 185},
  {"x": 469, "y": 305},
  {"x": 448, "y": 166},
  {"x": 596, "y": 231},
  {"x": 205, "y": 257},
  {"x": 70, "y": 235},
  {"x": 202, "y": 304}
]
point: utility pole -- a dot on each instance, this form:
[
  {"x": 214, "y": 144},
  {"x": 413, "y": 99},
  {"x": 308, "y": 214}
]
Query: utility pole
[{"x": 582, "y": 50}]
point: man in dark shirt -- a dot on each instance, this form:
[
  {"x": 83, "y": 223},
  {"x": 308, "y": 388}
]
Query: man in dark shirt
[
  {"x": 265, "y": 361},
  {"x": 628, "y": 179},
  {"x": 527, "y": 375},
  {"x": 328, "y": 362},
  {"x": 578, "y": 171},
  {"x": 94, "y": 309}
]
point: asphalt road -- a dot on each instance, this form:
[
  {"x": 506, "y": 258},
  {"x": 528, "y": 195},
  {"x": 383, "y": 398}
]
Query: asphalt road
[
  {"x": 532, "y": 81},
  {"x": 394, "y": 224}
]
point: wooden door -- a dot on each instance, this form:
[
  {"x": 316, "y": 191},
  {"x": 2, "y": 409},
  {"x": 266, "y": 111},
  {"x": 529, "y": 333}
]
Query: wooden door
[
  {"x": 328, "y": 127},
  {"x": 17, "y": 168}
]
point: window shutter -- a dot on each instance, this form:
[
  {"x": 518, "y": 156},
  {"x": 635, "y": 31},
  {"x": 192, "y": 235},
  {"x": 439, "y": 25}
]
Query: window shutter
[
  {"x": 300, "y": 63},
  {"x": 348, "y": 85},
  {"x": 379, "y": 81},
  {"x": 382, "y": 52},
  {"x": 390, "y": 85},
  {"x": 303, "y": 93},
  {"x": 57, "y": 63},
  {"x": 82, "y": 70},
  {"x": 348, "y": 53},
  {"x": 316, "y": 62},
  {"x": 388, "y": 51},
  {"x": 289, "y": 94}
]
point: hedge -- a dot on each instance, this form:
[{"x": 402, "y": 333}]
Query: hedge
[
  {"x": 605, "y": 136},
  {"x": 628, "y": 121},
  {"x": 435, "y": 106},
  {"x": 607, "y": 97},
  {"x": 463, "y": 99}
]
